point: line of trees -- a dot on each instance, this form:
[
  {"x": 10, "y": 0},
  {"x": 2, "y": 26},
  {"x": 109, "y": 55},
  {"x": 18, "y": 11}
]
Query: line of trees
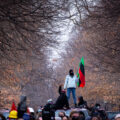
[
  {"x": 99, "y": 22},
  {"x": 27, "y": 29},
  {"x": 97, "y": 27}
]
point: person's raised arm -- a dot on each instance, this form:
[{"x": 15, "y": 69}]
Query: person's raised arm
[{"x": 60, "y": 89}]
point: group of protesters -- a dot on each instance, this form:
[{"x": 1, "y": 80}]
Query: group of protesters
[{"x": 47, "y": 112}]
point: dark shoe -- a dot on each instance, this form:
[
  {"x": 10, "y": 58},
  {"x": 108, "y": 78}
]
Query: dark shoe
[{"x": 75, "y": 105}]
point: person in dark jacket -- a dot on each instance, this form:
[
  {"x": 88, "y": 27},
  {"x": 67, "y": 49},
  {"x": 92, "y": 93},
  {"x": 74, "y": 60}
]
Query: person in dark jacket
[
  {"x": 62, "y": 100},
  {"x": 22, "y": 107},
  {"x": 97, "y": 109},
  {"x": 48, "y": 112},
  {"x": 81, "y": 102},
  {"x": 91, "y": 108}
]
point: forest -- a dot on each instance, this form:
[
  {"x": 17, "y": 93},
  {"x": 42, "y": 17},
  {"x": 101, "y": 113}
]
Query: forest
[{"x": 32, "y": 30}]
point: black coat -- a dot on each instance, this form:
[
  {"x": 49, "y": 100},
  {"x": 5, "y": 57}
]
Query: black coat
[
  {"x": 62, "y": 101},
  {"x": 48, "y": 112},
  {"x": 82, "y": 102},
  {"x": 22, "y": 107},
  {"x": 21, "y": 112}
]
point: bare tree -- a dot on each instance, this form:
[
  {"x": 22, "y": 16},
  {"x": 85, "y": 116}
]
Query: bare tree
[
  {"x": 98, "y": 22},
  {"x": 27, "y": 29},
  {"x": 97, "y": 39}
]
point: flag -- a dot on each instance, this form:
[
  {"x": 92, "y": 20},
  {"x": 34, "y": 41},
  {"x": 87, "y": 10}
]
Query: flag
[
  {"x": 81, "y": 74},
  {"x": 13, "y": 107}
]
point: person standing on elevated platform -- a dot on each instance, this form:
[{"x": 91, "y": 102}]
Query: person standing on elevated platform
[{"x": 70, "y": 84}]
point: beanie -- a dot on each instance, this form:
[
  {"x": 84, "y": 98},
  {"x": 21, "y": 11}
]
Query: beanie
[{"x": 13, "y": 114}]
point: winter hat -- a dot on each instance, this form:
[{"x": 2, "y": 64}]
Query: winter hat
[
  {"x": 50, "y": 101},
  {"x": 13, "y": 107},
  {"x": 13, "y": 114},
  {"x": 39, "y": 110},
  {"x": 28, "y": 111},
  {"x": 23, "y": 98},
  {"x": 31, "y": 110},
  {"x": 71, "y": 73},
  {"x": 117, "y": 116}
]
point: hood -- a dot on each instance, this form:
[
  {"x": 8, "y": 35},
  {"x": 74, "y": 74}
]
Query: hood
[
  {"x": 81, "y": 99},
  {"x": 23, "y": 98}
]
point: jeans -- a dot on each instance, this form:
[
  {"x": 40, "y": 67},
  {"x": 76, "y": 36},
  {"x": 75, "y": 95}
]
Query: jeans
[{"x": 73, "y": 90}]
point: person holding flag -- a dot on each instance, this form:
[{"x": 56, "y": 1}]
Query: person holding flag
[
  {"x": 71, "y": 80},
  {"x": 70, "y": 84}
]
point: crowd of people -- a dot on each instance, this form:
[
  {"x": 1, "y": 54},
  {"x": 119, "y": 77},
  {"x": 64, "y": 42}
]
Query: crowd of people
[{"x": 48, "y": 112}]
